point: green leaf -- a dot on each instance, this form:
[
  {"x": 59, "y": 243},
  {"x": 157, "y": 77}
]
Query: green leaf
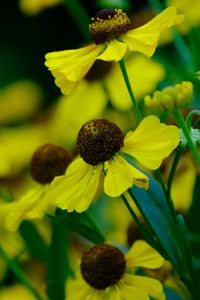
[
  {"x": 154, "y": 207},
  {"x": 79, "y": 223},
  {"x": 33, "y": 240},
  {"x": 58, "y": 268},
  {"x": 193, "y": 220}
]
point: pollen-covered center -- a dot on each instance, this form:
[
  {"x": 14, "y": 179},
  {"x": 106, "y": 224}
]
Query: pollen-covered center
[
  {"x": 103, "y": 266},
  {"x": 98, "y": 140},
  {"x": 49, "y": 161},
  {"x": 109, "y": 24}
]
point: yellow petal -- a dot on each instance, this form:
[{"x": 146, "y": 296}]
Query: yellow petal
[
  {"x": 151, "y": 142},
  {"x": 78, "y": 289},
  {"x": 70, "y": 66},
  {"x": 151, "y": 286},
  {"x": 143, "y": 255},
  {"x": 31, "y": 206},
  {"x": 114, "y": 51},
  {"x": 145, "y": 38},
  {"x": 121, "y": 176},
  {"x": 128, "y": 291},
  {"x": 76, "y": 189}
]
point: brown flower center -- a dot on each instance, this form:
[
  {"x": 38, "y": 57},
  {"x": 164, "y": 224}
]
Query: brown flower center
[
  {"x": 109, "y": 24},
  {"x": 103, "y": 266},
  {"x": 49, "y": 161},
  {"x": 99, "y": 140}
]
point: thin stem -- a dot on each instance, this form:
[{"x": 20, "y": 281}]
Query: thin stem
[
  {"x": 93, "y": 224},
  {"x": 190, "y": 116},
  {"x": 13, "y": 265},
  {"x": 80, "y": 16},
  {"x": 186, "y": 132},
  {"x": 173, "y": 170},
  {"x": 129, "y": 88}
]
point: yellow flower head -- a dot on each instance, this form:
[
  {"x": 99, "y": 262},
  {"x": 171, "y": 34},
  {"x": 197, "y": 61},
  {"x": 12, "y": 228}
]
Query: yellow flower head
[
  {"x": 106, "y": 273},
  {"x": 47, "y": 162},
  {"x": 112, "y": 35},
  {"x": 171, "y": 98},
  {"x": 101, "y": 145}
]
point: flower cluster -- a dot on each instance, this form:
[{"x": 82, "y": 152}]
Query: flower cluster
[{"x": 94, "y": 182}]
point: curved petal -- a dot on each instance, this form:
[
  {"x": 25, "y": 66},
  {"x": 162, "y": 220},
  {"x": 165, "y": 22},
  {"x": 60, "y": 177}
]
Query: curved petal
[
  {"x": 70, "y": 66},
  {"x": 121, "y": 175},
  {"x": 145, "y": 38},
  {"x": 77, "y": 188},
  {"x": 151, "y": 286},
  {"x": 143, "y": 255},
  {"x": 115, "y": 50},
  {"x": 151, "y": 142}
]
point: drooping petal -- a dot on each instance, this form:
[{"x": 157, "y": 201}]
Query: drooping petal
[
  {"x": 145, "y": 38},
  {"x": 31, "y": 206},
  {"x": 151, "y": 286},
  {"x": 121, "y": 175},
  {"x": 126, "y": 291},
  {"x": 114, "y": 51},
  {"x": 76, "y": 189},
  {"x": 151, "y": 142},
  {"x": 70, "y": 66},
  {"x": 143, "y": 255}
]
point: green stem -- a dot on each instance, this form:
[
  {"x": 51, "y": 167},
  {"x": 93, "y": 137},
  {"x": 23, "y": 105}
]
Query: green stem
[
  {"x": 190, "y": 116},
  {"x": 129, "y": 88},
  {"x": 93, "y": 224},
  {"x": 80, "y": 16},
  {"x": 13, "y": 265},
  {"x": 173, "y": 170},
  {"x": 57, "y": 262},
  {"x": 186, "y": 132}
]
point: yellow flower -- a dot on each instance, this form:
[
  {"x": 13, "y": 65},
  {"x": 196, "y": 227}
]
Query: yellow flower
[
  {"x": 33, "y": 7},
  {"x": 113, "y": 36},
  {"x": 47, "y": 162},
  {"x": 28, "y": 207},
  {"x": 101, "y": 145},
  {"x": 171, "y": 98},
  {"x": 106, "y": 274}
]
